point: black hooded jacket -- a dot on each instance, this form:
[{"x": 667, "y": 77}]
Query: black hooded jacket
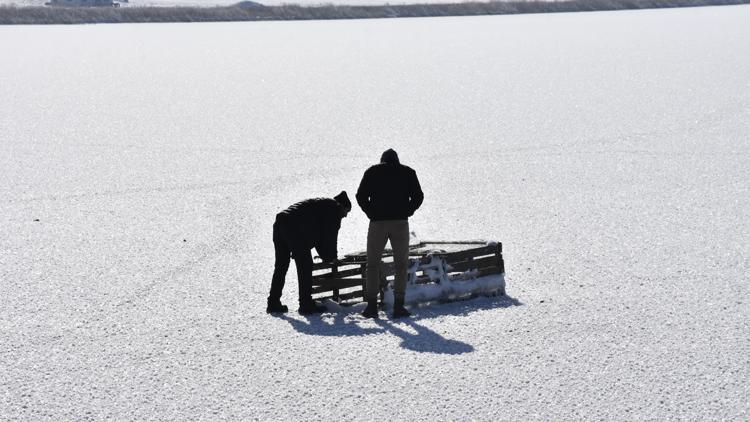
[
  {"x": 389, "y": 191},
  {"x": 314, "y": 223}
]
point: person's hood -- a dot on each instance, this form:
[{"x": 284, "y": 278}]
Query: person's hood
[
  {"x": 343, "y": 199},
  {"x": 389, "y": 156}
]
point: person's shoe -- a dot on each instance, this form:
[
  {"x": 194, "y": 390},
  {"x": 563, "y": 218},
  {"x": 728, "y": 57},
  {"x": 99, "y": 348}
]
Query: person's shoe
[
  {"x": 309, "y": 308},
  {"x": 399, "y": 311},
  {"x": 275, "y": 307},
  {"x": 371, "y": 311}
]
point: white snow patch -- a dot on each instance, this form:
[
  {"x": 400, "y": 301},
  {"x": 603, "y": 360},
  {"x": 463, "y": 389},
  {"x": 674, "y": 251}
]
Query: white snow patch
[{"x": 443, "y": 286}]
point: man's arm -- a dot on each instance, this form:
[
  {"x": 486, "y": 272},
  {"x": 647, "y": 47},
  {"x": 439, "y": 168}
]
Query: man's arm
[
  {"x": 363, "y": 193},
  {"x": 328, "y": 245},
  {"x": 415, "y": 193}
]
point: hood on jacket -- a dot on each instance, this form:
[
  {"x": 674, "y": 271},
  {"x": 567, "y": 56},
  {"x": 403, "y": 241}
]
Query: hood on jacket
[
  {"x": 389, "y": 156},
  {"x": 343, "y": 199}
]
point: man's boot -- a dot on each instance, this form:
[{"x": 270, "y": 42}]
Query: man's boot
[
  {"x": 311, "y": 307},
  {"x": 275, "y": 307},
  {"x": 398, "y": 308},
  {"x": 371, "y": 311}
]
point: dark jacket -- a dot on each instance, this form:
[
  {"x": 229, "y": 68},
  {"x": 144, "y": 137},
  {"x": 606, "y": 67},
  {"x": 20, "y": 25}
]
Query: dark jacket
[
  {"x": 314, "y": 223},
  {"x": 389, "y": 191}
]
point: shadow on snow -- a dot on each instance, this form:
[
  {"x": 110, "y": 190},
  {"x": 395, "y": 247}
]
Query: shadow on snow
[{"x": 344, "y": 324}]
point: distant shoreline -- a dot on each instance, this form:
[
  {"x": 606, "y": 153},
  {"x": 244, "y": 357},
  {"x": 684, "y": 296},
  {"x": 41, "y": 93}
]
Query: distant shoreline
[{"x": 11, "y": 15}]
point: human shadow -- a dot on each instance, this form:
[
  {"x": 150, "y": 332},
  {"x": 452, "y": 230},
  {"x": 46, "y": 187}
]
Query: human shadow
[
  {"x": 424, "y": 340},
  {"x": 328, "y": 324}
]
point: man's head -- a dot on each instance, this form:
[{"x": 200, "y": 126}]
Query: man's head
[
  {"x": 389, "y": 156},
  {"x": 344, "y": 202}
]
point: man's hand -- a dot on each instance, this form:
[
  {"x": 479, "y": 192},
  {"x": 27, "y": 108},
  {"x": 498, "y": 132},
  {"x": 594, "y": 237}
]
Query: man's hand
[{"x": 328, "y": 260}]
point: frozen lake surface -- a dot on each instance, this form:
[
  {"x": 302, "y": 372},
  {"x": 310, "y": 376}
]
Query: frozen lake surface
[{"x": 142, "y": 166}]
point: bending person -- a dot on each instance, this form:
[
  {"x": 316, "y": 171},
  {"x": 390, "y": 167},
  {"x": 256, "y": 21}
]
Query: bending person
[
  {"x": 312, "y": 223},
  {"x": 389, "y": 193}
]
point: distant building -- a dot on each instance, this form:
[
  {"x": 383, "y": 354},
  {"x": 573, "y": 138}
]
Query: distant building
[{"x": 83, "y": 3}]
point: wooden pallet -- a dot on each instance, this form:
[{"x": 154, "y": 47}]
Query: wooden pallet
[{"x": 344, "y": 282}]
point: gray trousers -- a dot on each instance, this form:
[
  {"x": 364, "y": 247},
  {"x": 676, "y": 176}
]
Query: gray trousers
[{"x": 379, "y": 232}]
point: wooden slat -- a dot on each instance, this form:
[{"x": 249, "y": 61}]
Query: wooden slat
[
  {"x": 345, "y": 296},
  {"x": 321, "y": 266},
  {"x": 351, "y": 295},
  {"x": 499, "y": 256},
  {"x": 474, "y": 252},
  {"x": 361, "y": 257},
  {"x": 344, "y": 262},
  {"x": 354, "y": 259},
  {"x": 341, "y": 283},
  {"x": 490, "y": 270},
  {"x": 340, "y": 274},
  {"x": 474, "y": 263}
]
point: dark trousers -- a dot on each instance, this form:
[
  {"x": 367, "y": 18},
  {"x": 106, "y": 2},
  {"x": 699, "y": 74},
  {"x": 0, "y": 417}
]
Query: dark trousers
[{"x": 286, "y": 242}]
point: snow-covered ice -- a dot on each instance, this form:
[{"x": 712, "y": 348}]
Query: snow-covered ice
[{"x": 142, "y": 165}]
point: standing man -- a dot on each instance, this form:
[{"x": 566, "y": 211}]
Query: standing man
[
  {"x": 389, "y": 194},
  {"x": 312, "y": 223}
]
